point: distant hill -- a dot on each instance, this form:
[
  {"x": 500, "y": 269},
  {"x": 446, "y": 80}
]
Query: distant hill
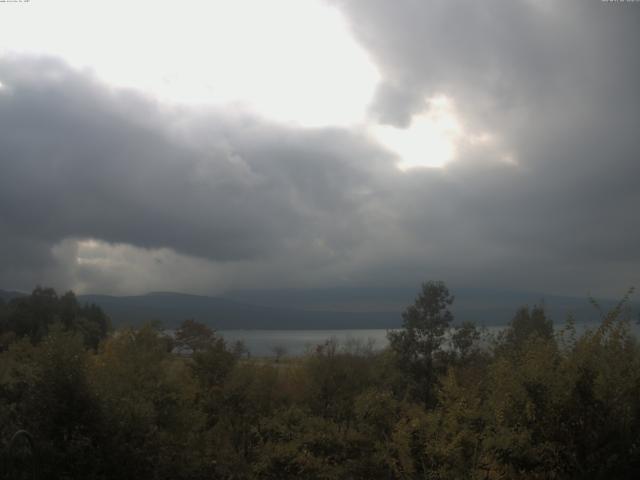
[
  {"x": 482, "y": 306},
  {"x": 7, "y": 295},
  {"x": 224, "y": 314},
  {"x": 335, "y": 308}
]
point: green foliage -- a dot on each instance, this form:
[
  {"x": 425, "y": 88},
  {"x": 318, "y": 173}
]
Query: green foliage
[
  {"x": 18, "y": 375},
  {"x": 147, "y": 396},
  {"x": 418, "y": 344},
  {"x": 34, "y": 315},
  {"x": 464, "y": 341},
  {"x": 212, "y": 365},
  {"x": 334, "y": 378},
  {"x": 527, "y": 323},
  {"x": 45, "y": 390},
  {"x": 61, "y": 408},
  {"x": 194, "y": 336},
  {"x": 537, "y": 404}
]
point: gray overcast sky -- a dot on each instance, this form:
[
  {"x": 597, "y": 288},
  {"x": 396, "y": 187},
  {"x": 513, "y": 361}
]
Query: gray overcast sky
[{"x": 245, "y": 144}]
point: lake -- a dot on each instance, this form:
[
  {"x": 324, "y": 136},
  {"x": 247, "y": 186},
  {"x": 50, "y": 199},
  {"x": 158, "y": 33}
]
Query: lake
[
  {"x": 296, "y": 342},
  {"x": 261, "y": 343}
]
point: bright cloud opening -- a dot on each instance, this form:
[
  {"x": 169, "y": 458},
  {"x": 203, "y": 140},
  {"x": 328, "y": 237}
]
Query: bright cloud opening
[
  {"x": 429, "y": 141},
  {"x": 288, "y": 60}
]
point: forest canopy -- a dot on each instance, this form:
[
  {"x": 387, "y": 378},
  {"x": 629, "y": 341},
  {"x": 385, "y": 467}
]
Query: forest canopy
[{"x": 444, "y": 400}]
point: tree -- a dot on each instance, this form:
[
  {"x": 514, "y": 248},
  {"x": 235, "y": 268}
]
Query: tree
[
  {"x": 34, "y": 315},
  {"x": 417, "y": 344},
  {"x": 279, "y": 351},
  {"x": 527, "y": 323},
  {"x": 93, "y": 324},
  {"x": 193, "y": 336},
  {"x": 60, "y": 408},
  {"x": 212, "y": 365},
  {"x": 31, "y": 316},
  {"x": 463, "y": 340},
  {"x": 147, "y": 397}
]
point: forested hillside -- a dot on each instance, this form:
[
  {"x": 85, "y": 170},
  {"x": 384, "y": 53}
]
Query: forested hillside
[
  {"x": 322, "y": 309},
  {"x": 442, "y": 402}
]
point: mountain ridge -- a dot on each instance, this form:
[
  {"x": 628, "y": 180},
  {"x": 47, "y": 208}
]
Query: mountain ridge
[{"x": 365, "y": 308}]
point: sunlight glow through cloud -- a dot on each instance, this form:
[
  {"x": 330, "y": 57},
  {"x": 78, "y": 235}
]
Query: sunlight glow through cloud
[
  {"x": 288, "y": 60},
  {"x": 429, "y": 141},
  {"x": 291, "y": 61}
]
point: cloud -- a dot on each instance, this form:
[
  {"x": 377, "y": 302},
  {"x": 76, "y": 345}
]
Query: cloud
[
  {"x": 81, "y": 160},
  {"x": 541, "y": 195},
  {"x": 556, "y": 83}
]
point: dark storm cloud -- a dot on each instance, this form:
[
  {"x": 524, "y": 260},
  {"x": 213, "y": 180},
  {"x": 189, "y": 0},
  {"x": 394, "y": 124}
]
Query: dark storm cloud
[
  {"x": 556, "y": 83},
  {"x": 81, "y": 161}
]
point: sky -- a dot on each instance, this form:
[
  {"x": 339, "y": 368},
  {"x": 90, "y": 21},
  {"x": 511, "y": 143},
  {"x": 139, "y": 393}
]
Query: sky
[{"x": 210, "y": 146}]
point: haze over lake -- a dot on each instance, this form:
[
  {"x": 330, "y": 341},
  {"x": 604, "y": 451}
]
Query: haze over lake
[{"x": 261, "y": 343}]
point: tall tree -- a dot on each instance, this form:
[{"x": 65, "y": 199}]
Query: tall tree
[{"x": 419, "y": 342}]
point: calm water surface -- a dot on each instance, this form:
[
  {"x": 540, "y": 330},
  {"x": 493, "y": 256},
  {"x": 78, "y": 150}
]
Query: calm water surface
[{"x": 297, "y": 342}]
